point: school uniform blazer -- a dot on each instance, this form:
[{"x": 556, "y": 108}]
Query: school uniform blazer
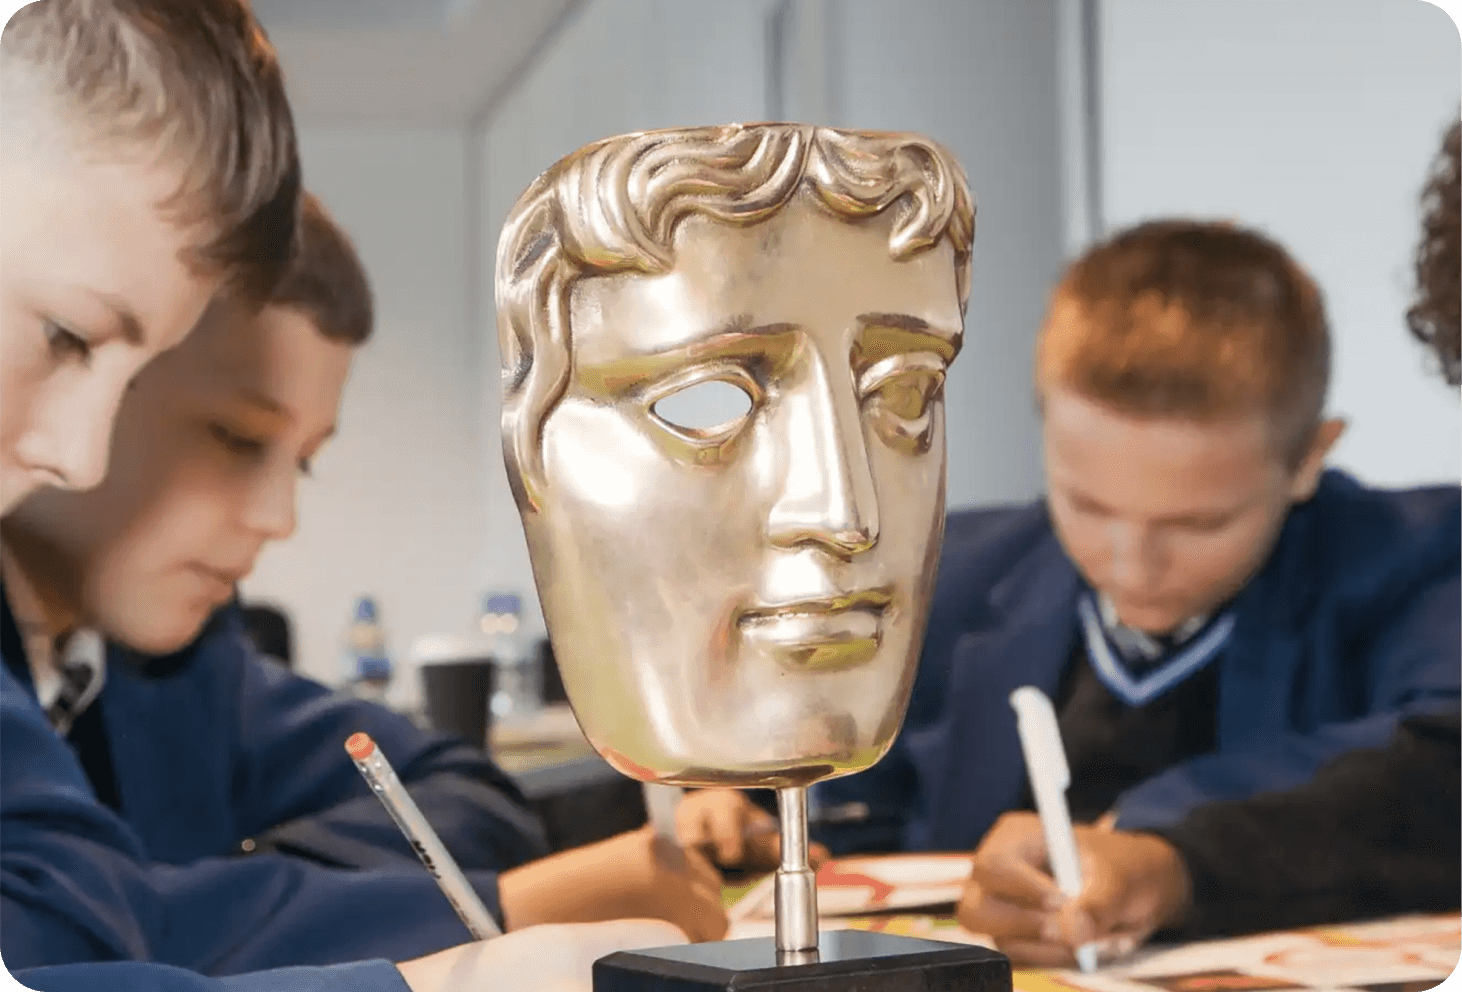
[
  {"x": 1354, "y": 621},
  {"x": 224, "y": 749}
]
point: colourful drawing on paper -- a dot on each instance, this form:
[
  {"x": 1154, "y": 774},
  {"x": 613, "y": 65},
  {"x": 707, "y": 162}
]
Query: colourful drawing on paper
[
  {"x": 1218, "y": 981},
  {"x": 862, "y": 885}
]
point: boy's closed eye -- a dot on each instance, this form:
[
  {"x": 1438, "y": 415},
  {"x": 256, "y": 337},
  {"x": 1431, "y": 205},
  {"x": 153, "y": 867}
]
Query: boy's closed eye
[
  {"x": 65, "y": 344},
  {"x": 237, "y": 442}
]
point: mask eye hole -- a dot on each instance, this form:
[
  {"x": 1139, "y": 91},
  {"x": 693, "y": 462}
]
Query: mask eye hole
[{"x": 705, "y": 409}]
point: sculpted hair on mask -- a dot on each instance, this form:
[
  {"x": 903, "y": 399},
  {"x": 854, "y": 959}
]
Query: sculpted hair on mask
[{"x": 615, "y": 206}]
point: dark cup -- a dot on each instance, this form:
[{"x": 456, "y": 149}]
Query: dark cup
[
  {"x": 457, "y": 695},
  {"x": 553, "y": 690}
]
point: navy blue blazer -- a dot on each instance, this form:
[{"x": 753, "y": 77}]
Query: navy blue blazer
[
  {"x": 1354, "y": 621},
  {"x": 135, "y": 976},
  {"x": 226, "y": 748}
]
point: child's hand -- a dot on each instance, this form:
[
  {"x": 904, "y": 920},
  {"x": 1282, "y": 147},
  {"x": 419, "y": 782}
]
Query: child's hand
[
  {"x": 547, "y": 958},
  {"x": 1011, "y": 895},
  {"x": 633, "y": 875},
  {"x": 733, "y": 830},
  {"x": 1133, "y": 885}
]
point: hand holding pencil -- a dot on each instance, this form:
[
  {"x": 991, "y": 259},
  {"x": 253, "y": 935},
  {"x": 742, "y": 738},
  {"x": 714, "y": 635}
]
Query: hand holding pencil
[
  {"x": 555, "y": 958},
  {"x": 424, "y": 841}
]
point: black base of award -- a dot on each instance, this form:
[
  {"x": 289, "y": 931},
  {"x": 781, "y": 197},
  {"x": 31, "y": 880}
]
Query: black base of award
[{"x": 858, "y": 960}]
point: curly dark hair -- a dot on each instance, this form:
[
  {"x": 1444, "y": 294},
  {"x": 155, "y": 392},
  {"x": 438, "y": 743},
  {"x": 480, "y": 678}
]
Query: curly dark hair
[{"x": 1434, "y": 315}]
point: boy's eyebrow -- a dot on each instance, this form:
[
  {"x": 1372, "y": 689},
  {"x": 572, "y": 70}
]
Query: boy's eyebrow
[
  {"x": 1201, "y": 514},
  {"x": 124, "y": 315},
  {"x": 256, "y": 398}
]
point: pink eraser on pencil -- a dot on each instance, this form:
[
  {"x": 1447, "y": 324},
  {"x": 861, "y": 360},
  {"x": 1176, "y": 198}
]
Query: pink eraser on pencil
[{"x": 360, "y": 746}]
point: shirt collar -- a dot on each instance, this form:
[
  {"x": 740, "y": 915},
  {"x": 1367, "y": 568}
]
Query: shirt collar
[
  {"x": 67, "y": 670},
  {"x": 1137, "y": 645}
]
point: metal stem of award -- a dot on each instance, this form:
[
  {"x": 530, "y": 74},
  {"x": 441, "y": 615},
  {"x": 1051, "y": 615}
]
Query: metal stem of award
[{"x": 796, "y": 885}]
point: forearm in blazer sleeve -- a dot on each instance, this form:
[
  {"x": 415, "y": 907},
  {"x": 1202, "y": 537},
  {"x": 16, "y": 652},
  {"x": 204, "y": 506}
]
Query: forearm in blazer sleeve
[
  {"x": 76, "y": 885},
  {"x": 1415, "y": 668},
  {"x": 136, "y": 976},
  {"x": 218, "y": 916},
  {"x": 305, "y": 796}
]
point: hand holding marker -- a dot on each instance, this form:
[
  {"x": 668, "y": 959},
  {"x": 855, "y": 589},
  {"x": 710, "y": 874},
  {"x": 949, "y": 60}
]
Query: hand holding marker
[{"x": 1045, "y": 763}]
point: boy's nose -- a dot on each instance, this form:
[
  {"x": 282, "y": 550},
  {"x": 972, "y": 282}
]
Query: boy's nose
[{"x": 71, "y": 446}]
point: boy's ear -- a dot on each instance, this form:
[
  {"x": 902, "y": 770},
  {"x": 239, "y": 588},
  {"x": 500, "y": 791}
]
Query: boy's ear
[{"x": 1307, "y": 474}]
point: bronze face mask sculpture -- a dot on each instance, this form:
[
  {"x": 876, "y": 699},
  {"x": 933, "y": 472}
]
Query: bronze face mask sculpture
[{"x": 738, "y": 603}]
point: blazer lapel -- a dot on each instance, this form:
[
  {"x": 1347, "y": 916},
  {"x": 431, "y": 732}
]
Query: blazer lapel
[
  {"x": 1262, "y": 660},
  {"x": 173, "y": 773},
  {"x": 974, "y": 766}
]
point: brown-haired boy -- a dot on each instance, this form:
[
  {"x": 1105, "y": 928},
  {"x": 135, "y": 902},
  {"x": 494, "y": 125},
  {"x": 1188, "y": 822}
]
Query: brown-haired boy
[
  {"x": 1211, "y": 611},
  {"x": 1182, "y": 371},
  {"x": 147, "y": 162},
  {"x": 147, "y": 159},
  {"x": 1378, "y": 830},
  {"x": 229, "y": 771}
]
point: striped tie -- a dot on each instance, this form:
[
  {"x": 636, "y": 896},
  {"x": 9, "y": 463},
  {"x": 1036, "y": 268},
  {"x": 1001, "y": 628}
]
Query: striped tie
[{"x": 81, "y": 662}]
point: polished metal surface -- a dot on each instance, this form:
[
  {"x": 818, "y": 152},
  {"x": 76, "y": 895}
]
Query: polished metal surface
[
  {"x": 796, "y": 883},
  {"x": 736, "y": 598}
]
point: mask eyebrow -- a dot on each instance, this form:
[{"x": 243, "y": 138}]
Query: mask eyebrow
[
  {"x": 881, "y": 335},
  {"x": 733, "y": 340}
]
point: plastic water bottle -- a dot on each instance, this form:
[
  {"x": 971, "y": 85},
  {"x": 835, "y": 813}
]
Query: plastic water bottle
[
  {"x": 367, "y": 665},
  {"x": 517, "y": 681}
]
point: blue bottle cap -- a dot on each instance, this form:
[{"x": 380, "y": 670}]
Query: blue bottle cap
[
  {"x": 365, "y": 609},
  {"x": 372, "y": 667},
  {"x": 502, "y": 602}
]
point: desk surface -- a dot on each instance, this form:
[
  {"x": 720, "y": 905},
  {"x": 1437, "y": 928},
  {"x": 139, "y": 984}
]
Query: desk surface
[
  {"x": 1410, "y": 954},
  {"x": 549, "y": 755},
  {"x": 1406, "y": 954}
]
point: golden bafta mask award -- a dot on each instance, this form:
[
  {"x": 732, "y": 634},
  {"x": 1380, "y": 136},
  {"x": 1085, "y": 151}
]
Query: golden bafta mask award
[{"x": 724, "y": 351}]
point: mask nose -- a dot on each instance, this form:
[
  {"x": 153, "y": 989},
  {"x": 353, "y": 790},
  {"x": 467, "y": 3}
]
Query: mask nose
[{"x": 827, "y": 495}]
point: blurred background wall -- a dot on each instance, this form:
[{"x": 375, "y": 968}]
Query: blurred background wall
[{"x": 422, "y": 121}]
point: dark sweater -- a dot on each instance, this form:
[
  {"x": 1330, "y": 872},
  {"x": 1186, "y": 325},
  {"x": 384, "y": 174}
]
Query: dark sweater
[
  {"x": 1376, "y": 832},
  {"x": 1111, "y": 746}
]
